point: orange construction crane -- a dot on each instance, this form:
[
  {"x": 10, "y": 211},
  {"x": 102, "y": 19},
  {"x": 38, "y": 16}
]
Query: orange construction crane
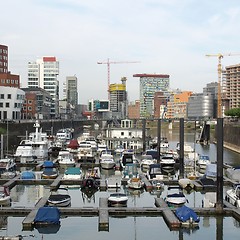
[
  {"x": 108, "y": 68},
  {"x": 219, "y": 99}
]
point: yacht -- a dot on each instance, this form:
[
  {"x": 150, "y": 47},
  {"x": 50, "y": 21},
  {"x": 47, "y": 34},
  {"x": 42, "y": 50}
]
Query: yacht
[
  {"x": 106, "y": 160},
  {"x": 36, "y": 146},
  {"x": 85, "y": 152},
  {"x": 65, "y": 159}
]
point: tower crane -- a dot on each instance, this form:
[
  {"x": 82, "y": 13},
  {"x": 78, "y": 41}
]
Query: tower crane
[
  {"x": 108, "y": 62},
  {"x": 219, "y": 99}
]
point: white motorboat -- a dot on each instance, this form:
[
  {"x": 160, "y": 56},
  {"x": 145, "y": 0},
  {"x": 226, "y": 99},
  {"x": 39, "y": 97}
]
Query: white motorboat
[
  {"x": 147, "y": 160},
  {"x": 107, "y": 161},
  {"x": 167, "y": 162},
  {"x": 154, "y": 172},
  {"x": 175, "y": 197},
  {"x": 203, "y": 161},
  {"x": 24, "y": 149},
  {"x": 66, "y": 159},
  {"x": 117, "y": 200},
  {"x": 7, "y": 164},
  {"x": 85, "y": 152},
  {"x": 128, "y": 157},
  {"x": 36, "y": 145},
  {"x": 233, "y": 195},
  {"x": 5, "y": 198},
  {"x": 186, "y": 183},
  {"x": 59, "y": 199},
  {"x": 135, "y": 183},
  {"x": 100, "y": 148}
]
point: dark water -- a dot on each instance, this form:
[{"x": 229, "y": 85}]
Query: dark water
[{"x": 139, "y": 228}]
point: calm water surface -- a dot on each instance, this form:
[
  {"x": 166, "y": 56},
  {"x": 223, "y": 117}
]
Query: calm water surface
[{"x": 139, "y": 228}]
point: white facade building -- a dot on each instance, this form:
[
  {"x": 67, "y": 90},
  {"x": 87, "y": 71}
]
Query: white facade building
[
  {"x": 44, "y": 73},
  {"x": 11, "y": 102}
]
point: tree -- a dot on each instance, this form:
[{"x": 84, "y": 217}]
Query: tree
[{"x": 234, "y": 112}]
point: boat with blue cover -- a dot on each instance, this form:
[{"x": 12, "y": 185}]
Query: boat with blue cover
[
  {"x": 47, "y": 220},
  {"x": 187, "y": 216}
]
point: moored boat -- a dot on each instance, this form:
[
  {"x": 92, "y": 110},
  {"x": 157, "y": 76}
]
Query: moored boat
[
  {"x": 187, "y": 216},
  {"x": 59, "y": 199},
  {"x": 7, "y": 164},
  {"x": 147, "y": 160},
  {"x": 66, "y": 159},
  {"x": 175, "y": 197},
  {"x": 233, "y": 195},
  {"x": 5, "y": 198},
  {"x": 135, "y": 183},
  {"x": 203, "y": 161},
  {"x": 117, "y": 200},
  {"x": 107, "y": 161},
  {"x": 167, "y": 162},
  {"x": 47, "y": 218}
]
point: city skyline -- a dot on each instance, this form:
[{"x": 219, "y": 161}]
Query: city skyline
[{"x": 165, "y": 37}]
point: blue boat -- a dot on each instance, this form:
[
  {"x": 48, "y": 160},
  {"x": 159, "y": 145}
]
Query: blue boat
[
  {"x": 47, "y": 220},
  {"x": 187, "y": 216},
  {"x": 27, "y": 175}
]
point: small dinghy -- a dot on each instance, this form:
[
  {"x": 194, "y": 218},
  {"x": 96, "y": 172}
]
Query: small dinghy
[
  {"x": 59, "y": 199},
  {"x": 117, "y": 200}
]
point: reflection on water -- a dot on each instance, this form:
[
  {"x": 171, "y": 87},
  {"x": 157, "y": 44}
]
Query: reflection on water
[{"x": 138, "y": 228}]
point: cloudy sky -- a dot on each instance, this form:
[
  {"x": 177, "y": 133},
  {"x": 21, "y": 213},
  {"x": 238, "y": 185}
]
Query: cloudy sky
[{"x": 163, "y": 36}]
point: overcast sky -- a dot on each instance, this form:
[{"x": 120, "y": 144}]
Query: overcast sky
[{"x": 165, "y": 36}]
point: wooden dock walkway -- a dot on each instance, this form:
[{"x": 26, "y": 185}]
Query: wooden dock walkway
[
  {"x": 28, "y": 222},
  {"x": 168, "y": 214},
  {"x": 103, "y": 219}
]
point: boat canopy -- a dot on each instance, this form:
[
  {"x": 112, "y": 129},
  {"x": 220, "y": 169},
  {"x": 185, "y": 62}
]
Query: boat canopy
[
  {"x": 73, "y": 171},
  {"x": 48, "y": 164},
  {"x": 185, "y": 213},
  {"x": 47, "y": 215},
  {"x": 27, "y": 175}
]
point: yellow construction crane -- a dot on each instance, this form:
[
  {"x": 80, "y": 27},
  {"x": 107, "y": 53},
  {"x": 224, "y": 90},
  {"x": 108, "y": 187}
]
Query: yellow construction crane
[
  {"x": 219, "y": 99},
  {"x": 108, "y": 68}
]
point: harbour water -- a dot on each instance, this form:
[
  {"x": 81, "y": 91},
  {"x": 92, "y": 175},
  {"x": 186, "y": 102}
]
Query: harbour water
[{"x": 131, "y": 227}]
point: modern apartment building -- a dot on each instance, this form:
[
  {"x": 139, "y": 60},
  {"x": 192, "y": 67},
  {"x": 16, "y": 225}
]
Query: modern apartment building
[
  {"x": 149, "y": 84},
  {"x": 44, "y": 73},
  {"x": 37, "y": 103},
  {"x": 200, "y": 106},
  {"x": 232, "y": 87},
  {"x": 11, "y": 102},
  {"x": 118, "y": 99}
]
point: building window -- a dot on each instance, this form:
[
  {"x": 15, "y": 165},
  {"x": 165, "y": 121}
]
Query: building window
[
  {"x": 1, "y": 96},
  {"x": 1, "y": 104},
  {"x": 30, "y": 101},
  {"x": 7, "y": 105},
  {"x": 9, "y": 96},
  {"x": 122, "y": 133},
  {"x": 130, "y": 134},
  {"x": 30, "y": 108}
]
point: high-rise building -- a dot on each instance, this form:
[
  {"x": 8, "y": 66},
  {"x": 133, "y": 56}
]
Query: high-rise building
[
  {"x": 71, "y": 90},
  {"x": 43, "y": 73},
  {"x": 3, "y": 59},
  {"x": 134, "y": 110},
  {"x": 149, "y": 84},
  {"x": 232, "y": 87},
  {"x": 6, "y": 78},
  {"x": 118, "y": 99},
  {"x": 200, "y": 106}
]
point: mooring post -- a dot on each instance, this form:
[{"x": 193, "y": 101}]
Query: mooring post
[
  {"x": 181, "y": 152},
  {"x": 219, "y": 204},
  {"x": 144, "y": 134},
  {"x": 159, "y": 139}
]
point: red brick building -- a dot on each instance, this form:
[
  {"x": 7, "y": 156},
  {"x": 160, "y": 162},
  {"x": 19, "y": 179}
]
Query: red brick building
[{"x": 134, "y": 110}]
